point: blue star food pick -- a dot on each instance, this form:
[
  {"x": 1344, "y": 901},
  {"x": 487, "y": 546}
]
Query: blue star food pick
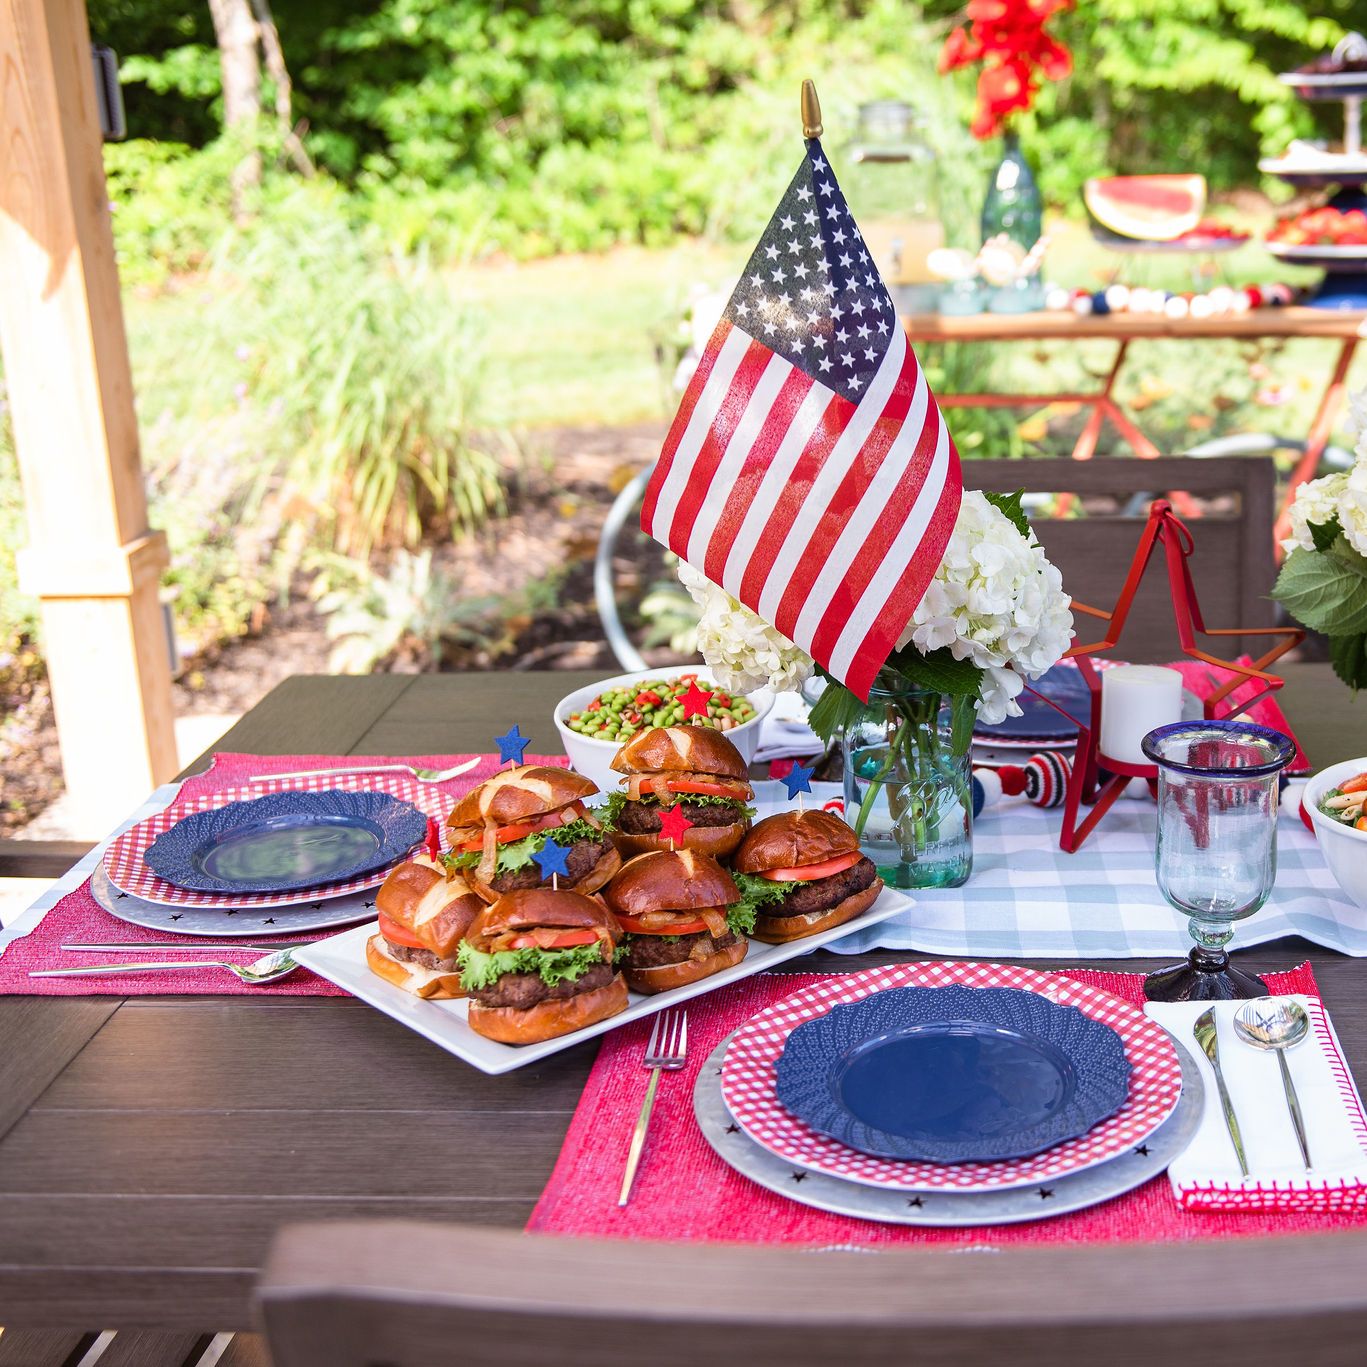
[
  {"x": 511, "y": 745},
  {"x": 552, "y": 858},
  {"x": 798, "y": 780}
]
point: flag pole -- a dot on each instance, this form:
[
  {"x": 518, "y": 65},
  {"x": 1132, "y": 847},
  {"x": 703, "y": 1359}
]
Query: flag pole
[{"x": 811, "y": 111}]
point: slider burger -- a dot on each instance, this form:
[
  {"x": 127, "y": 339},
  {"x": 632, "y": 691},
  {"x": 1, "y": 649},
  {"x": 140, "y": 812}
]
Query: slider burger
[
  {"x": 499, "y": 827},
  {"x": 803, "y": 873},
  {"x": 682, "y": 919},
  {"x": 538, "y": 964},
  {"x": 693, "y": 765},
  {"x": 424, "y": 914}
]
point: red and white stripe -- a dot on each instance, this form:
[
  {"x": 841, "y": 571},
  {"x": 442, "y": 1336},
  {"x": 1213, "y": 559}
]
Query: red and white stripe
[{"x": 826, "y": 517}]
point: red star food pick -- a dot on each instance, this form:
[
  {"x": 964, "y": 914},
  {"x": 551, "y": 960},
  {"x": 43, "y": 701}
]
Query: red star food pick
[
  {"x": 673, "y": 824},
  {"x": 695, "y": 700}
]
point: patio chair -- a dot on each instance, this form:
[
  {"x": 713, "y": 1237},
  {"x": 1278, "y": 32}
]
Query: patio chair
[
  {"x": 1092, "y": 551},
  {"x": 408, "y": 1294}
]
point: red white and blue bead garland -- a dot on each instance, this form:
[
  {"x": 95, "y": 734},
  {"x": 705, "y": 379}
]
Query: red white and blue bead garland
[
  {"x": 1042, "y": 781},
  {"x": 1219, "y": 302}
]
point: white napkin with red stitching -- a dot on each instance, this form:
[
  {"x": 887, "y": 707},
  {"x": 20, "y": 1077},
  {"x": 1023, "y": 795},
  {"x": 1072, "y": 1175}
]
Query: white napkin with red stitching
[{"x": 1207, "y": 1177}]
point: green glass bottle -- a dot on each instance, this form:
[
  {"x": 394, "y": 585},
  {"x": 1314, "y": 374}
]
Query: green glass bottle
[{"x": 1013, "y": 205}]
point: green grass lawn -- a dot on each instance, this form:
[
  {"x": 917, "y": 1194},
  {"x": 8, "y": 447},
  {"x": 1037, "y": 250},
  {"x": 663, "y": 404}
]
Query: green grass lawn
[{"x": 571, "y": 341}]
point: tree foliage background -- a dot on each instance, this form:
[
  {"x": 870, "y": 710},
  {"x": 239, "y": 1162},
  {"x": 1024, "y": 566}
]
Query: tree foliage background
[{"x": 544, "y": 125}]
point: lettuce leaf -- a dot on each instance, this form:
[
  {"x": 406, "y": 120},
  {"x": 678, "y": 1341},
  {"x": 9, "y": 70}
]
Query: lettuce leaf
[
  {"x": 553, "y": 966},
  {"x": 517, "y": 854},
  {"x": 610, "y": 812},
  {"x": 755, "y": 894}
]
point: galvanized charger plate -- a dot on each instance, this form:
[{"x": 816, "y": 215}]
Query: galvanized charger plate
[
  {"x": 325, "y": 914},
  {"x": 949, "y": 1209}
]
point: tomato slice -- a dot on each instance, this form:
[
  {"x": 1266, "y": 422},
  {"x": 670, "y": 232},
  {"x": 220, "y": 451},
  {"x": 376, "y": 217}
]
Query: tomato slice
[
  {"x": 634, "y": 927},
  {"x": 507, "y": 834},
  {"x": 808, "y": 872},
  {"x": 396, "y": 933},
  {"x": 1354, "y": 785},
  {"x": 689, "y": 785},
  {"x": 554, "y": 939}
]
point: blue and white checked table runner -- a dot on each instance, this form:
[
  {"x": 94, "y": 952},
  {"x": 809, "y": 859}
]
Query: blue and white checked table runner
[{"x": 1027, "y": 899}]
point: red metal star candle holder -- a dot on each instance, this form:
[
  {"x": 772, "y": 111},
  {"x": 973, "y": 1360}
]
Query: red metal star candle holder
[{"x": 1086, "y": 784}]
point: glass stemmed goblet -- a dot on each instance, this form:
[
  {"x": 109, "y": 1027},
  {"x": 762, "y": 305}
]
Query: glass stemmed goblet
[{"x": 1217, "y": 845}]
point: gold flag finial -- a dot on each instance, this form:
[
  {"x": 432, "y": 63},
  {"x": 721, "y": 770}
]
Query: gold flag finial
[{"x": 811, "y": 111}]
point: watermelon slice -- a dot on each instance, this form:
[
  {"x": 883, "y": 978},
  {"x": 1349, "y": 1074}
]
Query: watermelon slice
[{"x": 1151, "y": 208}]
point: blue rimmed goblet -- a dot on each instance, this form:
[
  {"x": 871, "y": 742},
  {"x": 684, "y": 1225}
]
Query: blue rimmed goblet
[{"x": 1216, "y": 857}]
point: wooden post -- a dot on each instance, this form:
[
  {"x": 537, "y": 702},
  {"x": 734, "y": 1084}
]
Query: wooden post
[{"x": 92, "y": 559}]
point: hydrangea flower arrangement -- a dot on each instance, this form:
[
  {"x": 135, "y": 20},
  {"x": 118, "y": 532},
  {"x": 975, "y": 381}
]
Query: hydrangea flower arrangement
[
  {"x": 1323, "y": 583},
  {"x": 995, "y": 615}
]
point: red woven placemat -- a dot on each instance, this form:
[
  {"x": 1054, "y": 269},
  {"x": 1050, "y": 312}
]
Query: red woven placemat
[
  {"x": 685, "y": 1193},
  {"x": 79, "y": 918}
]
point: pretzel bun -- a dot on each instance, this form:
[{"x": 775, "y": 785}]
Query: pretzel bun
[
  {"x": 437, "y": 909},
  {"x": 670, "y": 880},
  {"x": 410, "y": 977},
  {"x": 513, "y": 795},
  {"x": 608, "y": 864},
  {"x": 715, "y": 841},
  {"x": 665, "y": 976},
  {"x": 549, "y": 1019},
  {"x": 535, "y": 908},
  {"x": 790, "y": 840},
  {"x": 778, "y": 930},
  {"x": 675, "y": 749}
]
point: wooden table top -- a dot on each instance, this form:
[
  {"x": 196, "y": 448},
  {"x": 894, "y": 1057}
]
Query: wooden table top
[
  {"x": 151, "y": 1146},
  {"x": 1117, "y": 327}
]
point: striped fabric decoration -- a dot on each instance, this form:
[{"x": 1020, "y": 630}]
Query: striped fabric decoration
[{"x": 808, "y": 471}]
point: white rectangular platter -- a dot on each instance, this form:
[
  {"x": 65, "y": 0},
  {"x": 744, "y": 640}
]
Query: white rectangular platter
[{"x": 341, "y": 960}]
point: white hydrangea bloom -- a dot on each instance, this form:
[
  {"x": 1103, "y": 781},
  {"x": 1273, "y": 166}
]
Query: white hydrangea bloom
[
  {"x": 1357, "y": 417},
  {"x": 1352, "y": 506},
  {"x": 1316, "y": 503},
  {"x": 740, "y": 647},
  {"x": 996, "y": 600}
]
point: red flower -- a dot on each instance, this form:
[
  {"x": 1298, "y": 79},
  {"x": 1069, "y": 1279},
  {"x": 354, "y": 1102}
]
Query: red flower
[{"x": 1008, "y": 38}]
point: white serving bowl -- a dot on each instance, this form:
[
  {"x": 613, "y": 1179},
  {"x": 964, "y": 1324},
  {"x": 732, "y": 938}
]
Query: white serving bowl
[
  {"x": 1344, "y": 849},
  {"x": 593, "y": 758}
]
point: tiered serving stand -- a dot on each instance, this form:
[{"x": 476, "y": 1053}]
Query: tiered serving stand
[{"x": 1345, "y": 279}]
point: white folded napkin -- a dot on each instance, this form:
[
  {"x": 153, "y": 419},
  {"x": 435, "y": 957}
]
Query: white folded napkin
[
  {"x": 1207, "y": 1176},
  {"x": 784, "y": 733}
]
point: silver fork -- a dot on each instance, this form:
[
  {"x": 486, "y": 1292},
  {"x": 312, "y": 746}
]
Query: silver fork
[
  {"x": 422, "y": 775},
  {"x": 665, "y": 1052}
]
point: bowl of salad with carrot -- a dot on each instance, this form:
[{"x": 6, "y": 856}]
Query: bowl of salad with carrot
[{"x": 1336, "y": 802}]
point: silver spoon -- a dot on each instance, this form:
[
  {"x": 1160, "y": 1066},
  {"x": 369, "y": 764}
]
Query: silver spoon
[
  {"x": 264, "y": 970},
  {"x": 1278, "y": 1023}
]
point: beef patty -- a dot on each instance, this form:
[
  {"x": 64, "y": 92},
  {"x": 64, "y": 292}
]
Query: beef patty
[
  {"x": 821, "y": 894},
  {"x": 521, "y": 990},
  {"x": 583, "y": 857},
  {"x": 643, "y": 817},
  {"x": 655, "y": 951},
  {"x": 424, "y": 958}
]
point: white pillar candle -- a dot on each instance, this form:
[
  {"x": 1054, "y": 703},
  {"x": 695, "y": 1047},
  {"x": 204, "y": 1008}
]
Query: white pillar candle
[{"x": 1134, "y": 700}]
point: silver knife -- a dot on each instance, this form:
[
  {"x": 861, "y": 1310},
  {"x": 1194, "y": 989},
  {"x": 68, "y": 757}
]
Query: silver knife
[
  {"x": 1204, "y": 1031},
  {"x": 181, "y": 947}
]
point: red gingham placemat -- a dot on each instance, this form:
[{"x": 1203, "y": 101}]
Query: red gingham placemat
[
  {"x": 123, "y": 860},
  {"x": 685, "y": 1193},
  {"x": 79, "y": 918},
  {"x": 748, "y": 1079}
]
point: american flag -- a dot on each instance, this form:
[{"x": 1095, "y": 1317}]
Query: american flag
[{"x": 808, "y": 471}]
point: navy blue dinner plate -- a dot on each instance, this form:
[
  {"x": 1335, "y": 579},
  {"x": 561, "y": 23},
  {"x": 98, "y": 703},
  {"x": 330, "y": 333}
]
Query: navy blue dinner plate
[
  {"x": 1038, "y": 721},
  {"x": 953, "y": 1074},
  {"x": 286, "y": 841}
]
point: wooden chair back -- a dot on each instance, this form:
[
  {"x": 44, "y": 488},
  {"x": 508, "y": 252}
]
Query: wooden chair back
[
  {"x": 409, "y": 1294},
  {"x": 1232, "y": 565}
]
